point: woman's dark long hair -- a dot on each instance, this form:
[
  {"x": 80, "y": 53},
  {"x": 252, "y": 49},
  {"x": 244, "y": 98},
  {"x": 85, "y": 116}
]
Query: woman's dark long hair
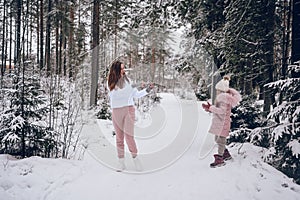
[{"x": 115, "y": 77}]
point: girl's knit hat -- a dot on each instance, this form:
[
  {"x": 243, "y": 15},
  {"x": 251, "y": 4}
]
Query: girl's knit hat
[{"x": 223, "y": 85}]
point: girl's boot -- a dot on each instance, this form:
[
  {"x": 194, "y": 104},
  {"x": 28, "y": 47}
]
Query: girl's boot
[
  {"x": 218, "y": 161},
  {"x": 226, "y": 155}
]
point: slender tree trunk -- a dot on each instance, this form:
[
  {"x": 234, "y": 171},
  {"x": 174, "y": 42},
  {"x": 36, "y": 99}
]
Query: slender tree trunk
[
  {"x": 48, "y": 62},
  {"x": 57, "y": 69},
  {"x": 163, "y": 70},
  {"x": 95, "y": 53},
  {"x": 38, "y": 31},
  {"x": 18, "y": 33},
  {"x": 57, "y": 42},
  {"x": 247, "y": 82},
  {"x": 268, "y": 47},
  {"x": 153, "y": 64},
  {"x": 60, "y": 49},
  {"x": 295, "y": 31},
  {"x": 64, "y": 45},
  {"x": 3, "y": 56},
  {"x": 6, "y": 45},
  {"x": 286, "y": 21},
  {"x": 102, "y": 47},
  {"x": 41, "y": 61},
  {"x": 48, "y": 39},
  {"x": 65, "y": 56},
  {"x": 23, "y": 112},
  {"x": 116, "y": 28},
  {"x": 26, "y": 19},
  {"x": 71, "y": 44},
  {"x": 286, "y": 36},
  {"x": 10, "y": 39},
  {"x": 31, "y": 30}
]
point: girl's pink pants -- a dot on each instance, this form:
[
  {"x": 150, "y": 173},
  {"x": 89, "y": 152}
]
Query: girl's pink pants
[{"x": 123, "y": 122}]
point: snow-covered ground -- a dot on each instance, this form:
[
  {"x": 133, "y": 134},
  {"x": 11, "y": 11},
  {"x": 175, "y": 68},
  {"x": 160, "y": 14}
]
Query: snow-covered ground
[{"x": 175, "y": 151}]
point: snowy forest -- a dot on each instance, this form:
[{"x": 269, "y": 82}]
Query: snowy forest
[{"x": 55, "y": 56}]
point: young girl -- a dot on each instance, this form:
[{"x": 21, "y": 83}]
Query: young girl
[
  {"x": 121, "y": 94},
  {"x": 226, "y": 99}
]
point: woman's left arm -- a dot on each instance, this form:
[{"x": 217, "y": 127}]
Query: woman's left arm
[{"x": 139, "y": 94}]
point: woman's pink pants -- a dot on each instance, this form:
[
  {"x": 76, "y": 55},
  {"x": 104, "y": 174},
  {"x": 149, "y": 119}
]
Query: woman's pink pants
[{"x": 123, "y": 122}]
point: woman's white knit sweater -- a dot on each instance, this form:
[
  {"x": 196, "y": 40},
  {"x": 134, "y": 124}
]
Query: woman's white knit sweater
[{"x": 124, "y": 97}]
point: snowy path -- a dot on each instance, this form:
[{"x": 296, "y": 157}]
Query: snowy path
[
  {"x": 183, "y": 176},
  {"x": 161, "y": 143}
]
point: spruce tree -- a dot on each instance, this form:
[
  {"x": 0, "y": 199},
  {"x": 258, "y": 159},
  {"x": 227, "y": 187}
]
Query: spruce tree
[
  {"x": 22, "y": 127},
  {"x": 285, "y": 129}
]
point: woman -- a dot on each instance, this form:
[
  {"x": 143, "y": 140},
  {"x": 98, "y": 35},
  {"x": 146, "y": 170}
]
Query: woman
[
  {"x": 121, "y": 94},
  {"x": 226, "y": 99}
]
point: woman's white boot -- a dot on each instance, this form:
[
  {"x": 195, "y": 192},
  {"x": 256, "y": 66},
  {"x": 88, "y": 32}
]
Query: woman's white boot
[
  {"x": 137, "y": 164},
  {"x": 121, "y": 165}
]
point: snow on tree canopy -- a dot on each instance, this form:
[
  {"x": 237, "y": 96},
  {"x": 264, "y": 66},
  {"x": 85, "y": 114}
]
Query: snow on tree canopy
[
  {"x": 278, "y": 131},
  {"x": 294, "y": 145}
]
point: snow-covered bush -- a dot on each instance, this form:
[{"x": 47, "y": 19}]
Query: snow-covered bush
[
  {"x": 104, "y": 111},
  {"x": 245, "y": 117},
  {"x": 201, "y": 91},
  {"x": 67, "y": 105}
]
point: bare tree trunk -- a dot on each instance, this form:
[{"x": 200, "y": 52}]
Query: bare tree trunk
[
  {"x": 41, "y": 61},
  {"x": 268, "y": 47},
  {"x": 3, "y": 56},
  {"x": 286, "y": 46},
  {"x": 285, "y": 37},
  {"x": 95, "y": 53},
  {"x": 60, "y": 56},
  {"x": 163, "y": 70},
  {"x": 64, "y": 39},
  {"x": 101, "y": 49},
  {"x": 18, "y": 33},
  {"x": 57, "y": 41},
  {"x": 6, "y": 44},
  {"x": 116, "y": 28},
  {"x": 71, "y": 45},
  {"x": 38, "y": 31},
  {"x": 26, "y": 19},
  {"x": 31, "y": 30},
  {"x": 48, "y": 39},
  {"x": 295, "y": 31},
  {"x": 153, "y": 64},
  {"x": 10, "y": 39}
]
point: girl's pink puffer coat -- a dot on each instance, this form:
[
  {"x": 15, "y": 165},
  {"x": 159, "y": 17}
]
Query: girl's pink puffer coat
[{"x": 220, "y": 124}]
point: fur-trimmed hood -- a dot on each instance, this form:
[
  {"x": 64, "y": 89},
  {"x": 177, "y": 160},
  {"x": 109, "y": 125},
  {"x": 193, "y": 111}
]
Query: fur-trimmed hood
[{"x": 231, "y": 97}]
